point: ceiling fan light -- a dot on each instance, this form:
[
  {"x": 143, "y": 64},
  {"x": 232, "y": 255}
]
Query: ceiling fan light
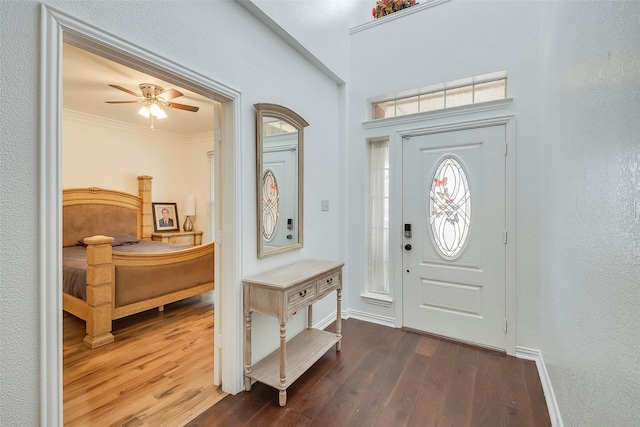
[
  {"x": 154, "y": 109},
  {"x": 144, "y": 111},
  {"x": 161, "y": 114}
]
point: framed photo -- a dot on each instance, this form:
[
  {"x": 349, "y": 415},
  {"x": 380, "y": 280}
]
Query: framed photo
[{"x": 165, "y": 217}]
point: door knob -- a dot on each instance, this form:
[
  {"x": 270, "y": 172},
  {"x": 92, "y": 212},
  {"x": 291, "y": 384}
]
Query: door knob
[{"x": 407, "y": 247}]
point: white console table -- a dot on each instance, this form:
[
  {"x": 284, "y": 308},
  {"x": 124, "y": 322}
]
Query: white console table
[{"x": 280, "y": 293}]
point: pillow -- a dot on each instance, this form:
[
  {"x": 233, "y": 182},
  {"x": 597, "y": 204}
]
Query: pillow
[{"x": 119, "y": 239}]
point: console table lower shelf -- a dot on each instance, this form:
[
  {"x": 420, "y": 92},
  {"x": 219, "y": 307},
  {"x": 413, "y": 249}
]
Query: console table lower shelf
[{"x": 302, "y": 352}]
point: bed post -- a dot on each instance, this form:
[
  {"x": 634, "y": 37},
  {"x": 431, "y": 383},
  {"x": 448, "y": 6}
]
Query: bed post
[
  {"x": 100, "y": 291},
  {"x": 144, "y": 191}
]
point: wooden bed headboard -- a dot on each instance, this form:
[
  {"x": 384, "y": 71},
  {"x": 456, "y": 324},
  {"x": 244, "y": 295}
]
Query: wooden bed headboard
[{"x": 92, "y": 211}]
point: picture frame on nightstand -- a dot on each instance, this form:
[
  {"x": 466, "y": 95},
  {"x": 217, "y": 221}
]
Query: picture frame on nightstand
[{"x": 165, "y": 217}]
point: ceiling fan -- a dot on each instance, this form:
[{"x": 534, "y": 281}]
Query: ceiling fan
[{"x": 153, "y": 97}]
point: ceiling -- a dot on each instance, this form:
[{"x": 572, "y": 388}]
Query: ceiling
[{"x": 86, "y": 80}]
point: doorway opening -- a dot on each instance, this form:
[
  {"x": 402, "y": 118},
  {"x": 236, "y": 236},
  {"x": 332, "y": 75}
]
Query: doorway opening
[
  {"x": 107, "y": 144},
  {"x": 59, "y": 28}
]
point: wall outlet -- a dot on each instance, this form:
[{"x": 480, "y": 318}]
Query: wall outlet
[{"x": 324, "y": 205}]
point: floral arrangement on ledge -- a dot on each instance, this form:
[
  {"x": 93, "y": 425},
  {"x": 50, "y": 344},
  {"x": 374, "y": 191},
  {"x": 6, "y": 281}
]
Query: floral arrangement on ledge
[{"x": 386, "y": 7}]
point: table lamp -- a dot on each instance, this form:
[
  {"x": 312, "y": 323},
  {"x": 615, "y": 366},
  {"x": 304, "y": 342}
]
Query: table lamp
[{"x": 189, "y": 211}]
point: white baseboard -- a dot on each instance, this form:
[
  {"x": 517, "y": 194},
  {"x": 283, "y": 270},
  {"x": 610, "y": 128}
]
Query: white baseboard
[
  {"x": 372, "y": 318},
  {"x": 326, "y": 321},
  {"x": 359, "y": 315},
  {"x": 549, "y": 395}
]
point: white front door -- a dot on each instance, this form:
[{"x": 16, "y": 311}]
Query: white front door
[{"x": 454, "y": 262}]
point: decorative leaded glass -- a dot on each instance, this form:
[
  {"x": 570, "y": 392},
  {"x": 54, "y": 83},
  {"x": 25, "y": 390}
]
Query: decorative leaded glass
[
  {"x": 270, "y": 204},
  {"x": 450, "y": 207}
]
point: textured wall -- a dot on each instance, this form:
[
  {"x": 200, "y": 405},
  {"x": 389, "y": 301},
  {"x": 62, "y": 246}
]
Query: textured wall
[
  {"x": 590, "y": 210},
  {"x": 217, "y": 39},
  {"x": 19, "y": 320}
]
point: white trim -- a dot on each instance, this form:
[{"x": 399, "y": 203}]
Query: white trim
[
  {"x": 510, "y": 200},
  {"x": 134, "y": 130},
  {"x": 510, "y": 208},
  {"x": 371, "y": 318},
  {"x": 396, "y": 15},
  {"x": 57, "y": 28},
  {"x": 143, "y": 131},
  {"x": 50, "y": 222},
  {"x": 377, "y": 299},
  {"x": 547, "y": 388},
  {"x": 230, "y": 248},
  {"x": 326, "y": 321},
  {"x": 498, "y": 104}
]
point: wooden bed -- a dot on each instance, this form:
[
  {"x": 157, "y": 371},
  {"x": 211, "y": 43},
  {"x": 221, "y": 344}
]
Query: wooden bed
[{"x": 120, "y": 284}]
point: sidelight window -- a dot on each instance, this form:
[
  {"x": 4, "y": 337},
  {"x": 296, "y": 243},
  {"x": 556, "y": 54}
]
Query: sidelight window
[{"x": 379, "y": 217}]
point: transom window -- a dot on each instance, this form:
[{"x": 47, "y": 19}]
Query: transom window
[{"x": 472, "y": 90}]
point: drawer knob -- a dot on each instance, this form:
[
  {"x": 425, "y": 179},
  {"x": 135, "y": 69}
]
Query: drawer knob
[
  {"x": 303, "y": 293},
  {"x": 330, "y": 280}
]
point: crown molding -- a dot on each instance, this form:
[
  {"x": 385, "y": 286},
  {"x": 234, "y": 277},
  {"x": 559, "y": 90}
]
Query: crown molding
[{"x": 142, "y": 131}]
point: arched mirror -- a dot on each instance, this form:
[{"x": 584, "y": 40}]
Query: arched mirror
[{"x": 279, "y": 148}]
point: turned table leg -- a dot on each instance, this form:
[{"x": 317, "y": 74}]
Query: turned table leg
[
  {"x": 247, "y": 351},
  {"x": 283, "y": 364}
]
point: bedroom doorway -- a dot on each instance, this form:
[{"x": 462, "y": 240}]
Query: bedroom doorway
[
  {"x": 154, "y": 350},
  {"x": 59, "y": 28}
]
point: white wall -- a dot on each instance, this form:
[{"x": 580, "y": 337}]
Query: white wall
[
  {"x": 435, "y": 45},
  {"x": 590, "y": 210},
  {"x": 320, "y": 26},
  {"x": 109, "y": 154},
  {"x": 217, "y": 39}
]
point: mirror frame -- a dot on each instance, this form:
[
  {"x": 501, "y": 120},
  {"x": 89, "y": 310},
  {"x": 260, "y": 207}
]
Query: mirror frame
[{"x": 282, "y": 113}]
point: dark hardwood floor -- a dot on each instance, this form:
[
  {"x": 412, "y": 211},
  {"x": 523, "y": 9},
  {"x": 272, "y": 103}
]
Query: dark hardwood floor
[{"x": 390, "y": 377}]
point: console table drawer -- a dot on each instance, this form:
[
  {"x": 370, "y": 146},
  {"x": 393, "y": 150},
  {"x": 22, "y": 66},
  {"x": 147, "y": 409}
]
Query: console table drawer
[
  {"x": 328, "y": 283},
  {"x": 301, "y": 296}
]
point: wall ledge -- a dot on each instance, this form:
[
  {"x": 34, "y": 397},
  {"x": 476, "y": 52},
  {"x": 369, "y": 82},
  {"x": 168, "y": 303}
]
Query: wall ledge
[
  {"x": 377, "y": 299},
  {"x": 425, "y": 4}
]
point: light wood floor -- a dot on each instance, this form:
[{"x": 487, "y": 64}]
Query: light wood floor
[{"x": 158, "y": 372}]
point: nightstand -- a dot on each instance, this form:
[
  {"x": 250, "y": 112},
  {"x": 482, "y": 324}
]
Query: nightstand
[{"x": 179, "y": 237}]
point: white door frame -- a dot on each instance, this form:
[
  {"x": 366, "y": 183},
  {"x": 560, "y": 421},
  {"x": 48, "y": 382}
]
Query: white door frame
[
  {"x": 58, "y": 27},
  {"x": 396, "y": 219}
]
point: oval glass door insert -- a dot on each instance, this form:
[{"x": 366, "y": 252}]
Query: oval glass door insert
[
  {"x": 270, "y": 204},
  {"x": 450, "y": 208}
]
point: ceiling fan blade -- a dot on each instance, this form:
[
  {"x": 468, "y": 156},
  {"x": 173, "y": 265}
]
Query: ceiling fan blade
[
  {"x": 124, "y": 89},
  {"x": 182, "y": 106},
  {"x": 122, "y": 102},
  {"x": 170, "y": 94}
]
